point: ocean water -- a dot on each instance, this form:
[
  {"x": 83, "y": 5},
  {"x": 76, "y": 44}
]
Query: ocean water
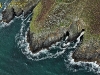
[{"x": 16, "y": 59}]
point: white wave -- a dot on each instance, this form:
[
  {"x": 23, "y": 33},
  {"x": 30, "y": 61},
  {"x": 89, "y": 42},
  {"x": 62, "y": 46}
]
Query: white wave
[
  {"x": 66, "y": 38},
  {"x": 78, "y": 39},
  {"x": 93, "y": 66},
  {"x": 0, "y": 16},
  {"x": 4, "y": 24},
  {"x": 24, "y": 45},
  {"x": 66, "y": 45},
  {"x": 5, "y": 4},
  {"x": 37, "y": 56}
]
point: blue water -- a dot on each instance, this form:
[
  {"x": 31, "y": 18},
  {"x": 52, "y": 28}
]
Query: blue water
[{"x": 15, "y": 60}]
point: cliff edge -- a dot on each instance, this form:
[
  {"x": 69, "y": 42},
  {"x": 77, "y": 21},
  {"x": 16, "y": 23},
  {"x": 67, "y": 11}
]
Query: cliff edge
[
  {"x": 17, "y": 8},
  {"x": 53, "y": 18}
]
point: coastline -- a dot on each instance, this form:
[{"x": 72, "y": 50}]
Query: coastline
[{"x": 51, "y": 20}]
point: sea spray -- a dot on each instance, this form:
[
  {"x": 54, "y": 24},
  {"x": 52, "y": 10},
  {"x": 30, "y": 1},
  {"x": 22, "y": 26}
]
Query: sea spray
[
  {"x": 3, "y": 24},
  {"x": 90, "y": 66},
  {"x": 21, "y": 39},
  {"x": 4, "y": 5}
]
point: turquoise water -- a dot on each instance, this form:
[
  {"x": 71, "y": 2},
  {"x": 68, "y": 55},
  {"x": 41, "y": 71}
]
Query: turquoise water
[{"x": 15, "y": 60}]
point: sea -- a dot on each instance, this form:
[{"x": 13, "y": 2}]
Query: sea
[{"x": 17, "y": 59}]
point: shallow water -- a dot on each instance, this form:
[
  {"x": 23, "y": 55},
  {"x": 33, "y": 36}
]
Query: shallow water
[{"x": 15, "y": 59}]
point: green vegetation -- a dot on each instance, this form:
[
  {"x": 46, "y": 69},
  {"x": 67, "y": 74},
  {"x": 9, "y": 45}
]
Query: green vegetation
[
  {"x": 75, "y": 10},
  {"x": 20, "y": 4},
  {"x": 33, "y": 26}
]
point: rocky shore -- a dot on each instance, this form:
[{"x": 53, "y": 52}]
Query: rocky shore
[
  {"x": 90, "y": 48},
  {"x": 53, "y": 18},
  {"x": 49, "y": 24},
  {"x": 18, "y": 7}
]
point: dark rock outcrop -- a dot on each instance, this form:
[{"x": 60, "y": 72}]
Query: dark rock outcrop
[
  {"x": 90, "y": 48},
  {"x": 72, "y": 17},
  {"x": 8, "y": 15},
  {"x": 44, "y": 40},
  {"x": 50, "y": 23},
  {"x": 16, "y": 8},
  {"x": 51, "y": 20}
]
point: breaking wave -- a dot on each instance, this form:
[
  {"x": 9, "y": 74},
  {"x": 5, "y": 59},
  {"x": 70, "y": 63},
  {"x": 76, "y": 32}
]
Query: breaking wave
[
  {"x": 4, "y": 5},
  {"x": 81, "y": 65},
  {"x": 3, "y": 24},
  {"x": 23, "y": 45},
  {"x": 41, "y": 55},
  {"x": 54, "y": 52}
]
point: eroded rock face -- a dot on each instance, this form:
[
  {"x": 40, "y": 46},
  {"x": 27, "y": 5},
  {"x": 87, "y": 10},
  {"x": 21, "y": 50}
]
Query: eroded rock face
[
  {"x": 16, "y": 8},
  {"x": 49, "y": 27},
  {"x": 44, "y": 40},
  {"x": 90, "y": 48},
  {"x": 8, "y": 15},
  {"x": 73, "y": 17},
  {"x": 52, "y": 18}
]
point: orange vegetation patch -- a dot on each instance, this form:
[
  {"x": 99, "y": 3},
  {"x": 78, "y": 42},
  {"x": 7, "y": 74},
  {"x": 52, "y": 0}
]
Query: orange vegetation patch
[{"x": 46, "y": 5}]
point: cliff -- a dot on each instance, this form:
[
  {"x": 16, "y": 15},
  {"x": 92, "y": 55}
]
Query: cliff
[
  {"x": 18, "y": 7},
  {"x": 90, "y": 48},
  {"x": 53, "y": 18}
]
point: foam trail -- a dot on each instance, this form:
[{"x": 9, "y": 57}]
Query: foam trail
[
  {"x": 78, "y": 39},
  {"x": 45, "y": 52},
  {"x": 0, "y": 16},
  {"x": 92, "y": 66},
  {"x": 66, "y": 38},
  {"x": 22, "y": 43},
  {"x": 37, "y": 56},
  {"x": 4, "y": 5},
  {"x": 4, "y": 24},
  {"x": 65, "y": 45}
]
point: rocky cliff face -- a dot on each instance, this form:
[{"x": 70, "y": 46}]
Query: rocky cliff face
[
  {"x": 18, "y": 7},
  {"x": 90, "y": 48},
  {"x": 52, "y": 18},
  {"x": 70, "y": 16}
]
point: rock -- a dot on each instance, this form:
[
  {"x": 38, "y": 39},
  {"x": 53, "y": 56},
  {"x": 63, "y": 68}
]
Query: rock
[
  {"x": 28, "y": 10},
  {"x": 90, "y": 48},
  {"x": 51, "y": 20},
  {"x": 8, "y": 15},
  {"x": 16, "y": 8},
  {"x": 73, "y": 17},
  {"x": 46, "y": 39}
]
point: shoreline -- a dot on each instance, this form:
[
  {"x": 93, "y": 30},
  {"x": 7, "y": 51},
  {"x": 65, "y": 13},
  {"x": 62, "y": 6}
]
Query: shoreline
[{"x": 42, "y": 47}]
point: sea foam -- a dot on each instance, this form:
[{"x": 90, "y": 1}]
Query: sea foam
[
  {"x": 21, "y": 39},
  {"x": 91, "y": 66}
]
